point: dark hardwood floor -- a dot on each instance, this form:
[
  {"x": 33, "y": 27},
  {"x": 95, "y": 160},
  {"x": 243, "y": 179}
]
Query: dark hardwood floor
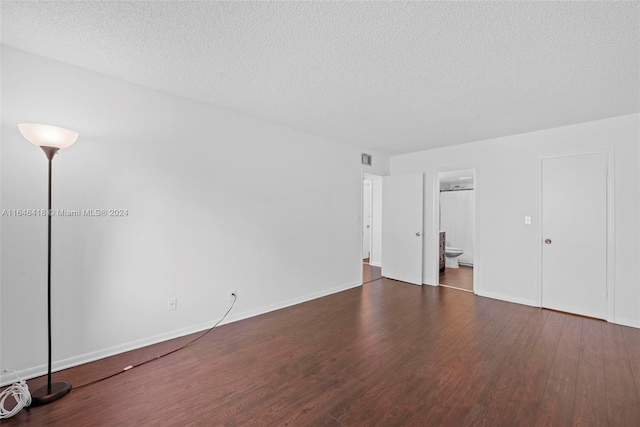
[
  {"x": 386, "y": 353},
  {"x": 460, "y": 278}
]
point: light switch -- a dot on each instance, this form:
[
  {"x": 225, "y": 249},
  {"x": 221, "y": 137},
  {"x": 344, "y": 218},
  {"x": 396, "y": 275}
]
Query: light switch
[{"x": 527, "y": 220}]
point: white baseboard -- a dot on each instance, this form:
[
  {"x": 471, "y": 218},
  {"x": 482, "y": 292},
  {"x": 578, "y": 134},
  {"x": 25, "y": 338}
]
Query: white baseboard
[
  {"x": 290, "y": 302},
  {"x": 508, "y": 298},
  {"x": 36, "y": 371},
  {"x": 619, "y": 321},
  {"x": 7, "y": 378},
  {"x": 404, "y": 279},
  {"x": 375, "y": 264},
  {"x": 627, "y": 322}
]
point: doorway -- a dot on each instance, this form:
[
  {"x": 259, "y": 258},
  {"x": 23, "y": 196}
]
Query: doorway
[
  {"x": 371, "y": 227},
  {"x": 456, "y": 229},
  {"x": 366, "y": 220}
]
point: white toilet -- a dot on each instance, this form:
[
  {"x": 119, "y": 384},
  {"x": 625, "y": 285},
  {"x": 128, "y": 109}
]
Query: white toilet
[{"x": 451, "y": 257}]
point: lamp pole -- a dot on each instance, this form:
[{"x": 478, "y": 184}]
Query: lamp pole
[
  {"x": 51, "y": 139},
  {"x": 52, "y": 391},
  {"x": 50, "y": 152}
]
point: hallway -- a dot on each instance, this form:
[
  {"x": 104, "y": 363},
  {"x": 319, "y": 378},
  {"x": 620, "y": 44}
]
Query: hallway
[{"x": 370, "y": 273}]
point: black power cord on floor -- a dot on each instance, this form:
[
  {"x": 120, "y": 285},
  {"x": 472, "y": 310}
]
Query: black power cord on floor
[{"x": 128, "y": 368}]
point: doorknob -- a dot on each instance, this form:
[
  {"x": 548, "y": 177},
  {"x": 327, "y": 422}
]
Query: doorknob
[
  {"x": 418, "y": 234},
  {"x": 547, "y": 241}
]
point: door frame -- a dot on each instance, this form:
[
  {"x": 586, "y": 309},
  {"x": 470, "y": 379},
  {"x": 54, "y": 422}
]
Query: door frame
[
  {"x": 610, "y": 264},
  {"x": 435, "y": 225}
]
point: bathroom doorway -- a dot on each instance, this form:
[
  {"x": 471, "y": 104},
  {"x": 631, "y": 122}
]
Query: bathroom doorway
[
  {"x": 371, "y": 227},
  {"x": 456, "y": 212}
]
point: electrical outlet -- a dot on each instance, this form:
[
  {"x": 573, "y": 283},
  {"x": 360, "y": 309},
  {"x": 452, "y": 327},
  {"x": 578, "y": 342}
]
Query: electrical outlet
[
  {"x": 172, "y": 304},
  {"x": 233, "y": 295}
]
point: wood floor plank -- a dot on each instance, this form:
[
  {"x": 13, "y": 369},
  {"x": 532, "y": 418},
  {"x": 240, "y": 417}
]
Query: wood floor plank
[
  {"x": 537, "y": 370},
  {"x": 480, "y": 361},
  {"x": 558, "y": 398},
  {"x": 623, "y": 404},
  {"x": 590, "y": 406},
  {"x": 419, "y": 387},
  {"x": 479, "y": 369},
  {"x": 632, "y": 342},
  {"x": 504, "y": 390}
]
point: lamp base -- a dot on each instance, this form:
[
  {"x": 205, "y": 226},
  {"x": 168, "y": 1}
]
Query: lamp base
[{"x": 42, "y": 395}]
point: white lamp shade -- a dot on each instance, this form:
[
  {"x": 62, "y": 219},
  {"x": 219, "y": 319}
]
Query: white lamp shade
[{"x": 47, "y": 135}]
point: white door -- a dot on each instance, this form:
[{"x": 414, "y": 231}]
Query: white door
[
  {"x": 366, "y": 219},
  {"x": 376, "y": 222},
  {"x": 402, "y": 227},
  {"x": 574, "y": 234}
]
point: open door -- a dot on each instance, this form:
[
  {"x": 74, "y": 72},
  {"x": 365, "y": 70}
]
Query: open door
[
  {"x": 366, "y": 220},
  {"x": 402, "y": 218}
]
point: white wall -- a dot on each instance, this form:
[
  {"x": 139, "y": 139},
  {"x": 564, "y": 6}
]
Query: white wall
[
  {"x": 216, "y": 201},
  {"x": 508, "y": 189}
]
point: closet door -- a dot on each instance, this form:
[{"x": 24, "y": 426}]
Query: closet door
[{"x": 574, "y": 234}]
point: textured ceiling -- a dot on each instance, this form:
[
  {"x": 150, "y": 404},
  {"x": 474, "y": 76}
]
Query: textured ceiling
[{"x": 392, "y": 76}]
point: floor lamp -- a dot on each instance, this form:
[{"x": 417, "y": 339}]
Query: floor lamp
[{"x": 51, "y": 139}]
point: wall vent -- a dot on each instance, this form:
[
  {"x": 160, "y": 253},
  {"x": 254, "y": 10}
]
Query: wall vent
[{"x": 366, "y": 159}]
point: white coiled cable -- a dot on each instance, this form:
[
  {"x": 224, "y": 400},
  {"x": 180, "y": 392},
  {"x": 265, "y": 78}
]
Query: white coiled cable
[{"x": 20, "y": 392}]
